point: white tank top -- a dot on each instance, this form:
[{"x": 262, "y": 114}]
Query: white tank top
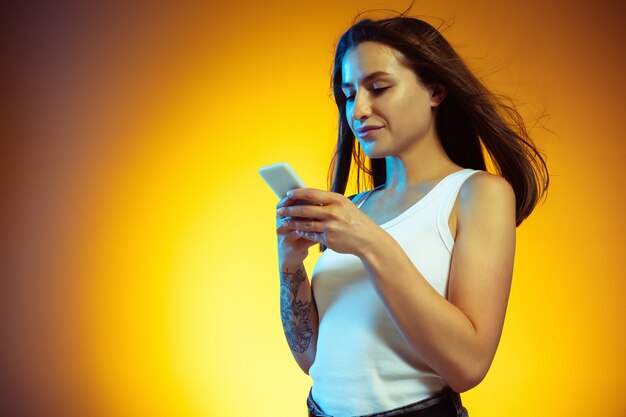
[{"x": 362, "y": 364}]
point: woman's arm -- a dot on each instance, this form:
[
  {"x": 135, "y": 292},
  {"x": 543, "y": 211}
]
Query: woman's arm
[
  {"x": 297, "y": 306},
  {"x": 299, "y": 314},
  {"x": 458, "y": 336}
]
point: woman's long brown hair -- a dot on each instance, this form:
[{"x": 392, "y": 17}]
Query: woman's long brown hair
[{"x": 469, "y": 120}]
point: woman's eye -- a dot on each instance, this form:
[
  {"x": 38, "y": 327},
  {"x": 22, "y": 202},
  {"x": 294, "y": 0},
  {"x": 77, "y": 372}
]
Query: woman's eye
[
  {"x": 379, "y": 90},
  {"x": 375, "y": 90}
]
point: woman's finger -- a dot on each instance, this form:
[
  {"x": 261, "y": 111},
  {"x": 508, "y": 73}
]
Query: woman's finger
[
  {"x": 314, "y": 196},
  {"x": 305, "y": 225},
  {"x": 286, "y": 202},
  {"x": 309, "y": 211},
  {"x": 312, "y": 236}
]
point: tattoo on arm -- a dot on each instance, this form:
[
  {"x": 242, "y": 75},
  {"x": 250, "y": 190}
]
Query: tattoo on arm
[{"x": 295, "y": 313}]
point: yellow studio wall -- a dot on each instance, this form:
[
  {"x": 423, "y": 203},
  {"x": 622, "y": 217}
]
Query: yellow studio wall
[{"x": 140, "y": 276}]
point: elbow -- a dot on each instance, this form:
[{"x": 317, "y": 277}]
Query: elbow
[
  {"x": 468, "y": 378},
  {"x": 306, "y": 363},
  {"x": 465, "y": 384},
  {"x": 306, "y": 367}
]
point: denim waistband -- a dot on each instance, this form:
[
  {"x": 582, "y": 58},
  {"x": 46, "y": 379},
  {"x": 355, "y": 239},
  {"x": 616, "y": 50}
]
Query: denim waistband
[{"x": 446, "y": 395}]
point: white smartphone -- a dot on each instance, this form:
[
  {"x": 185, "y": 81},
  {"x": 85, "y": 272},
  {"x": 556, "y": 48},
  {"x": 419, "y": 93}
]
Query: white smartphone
[{"x": 281, "y": 178}]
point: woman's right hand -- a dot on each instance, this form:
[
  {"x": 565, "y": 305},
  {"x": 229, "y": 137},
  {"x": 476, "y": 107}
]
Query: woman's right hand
[{"x": 292, "y": 249}]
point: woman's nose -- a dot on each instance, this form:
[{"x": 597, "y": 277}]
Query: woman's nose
[{"x": 362, "y": 107}]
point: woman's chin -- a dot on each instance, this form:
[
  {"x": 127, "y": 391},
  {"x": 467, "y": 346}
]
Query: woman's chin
[
  {"x": 374, "y": 153},
  {"x": 370, "y": 149}
]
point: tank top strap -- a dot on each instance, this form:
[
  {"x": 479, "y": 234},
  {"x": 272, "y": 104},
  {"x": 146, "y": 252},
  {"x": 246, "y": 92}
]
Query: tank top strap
[
  {"x": 448, "y": 197},
  {"x": 366, "y": 195}
]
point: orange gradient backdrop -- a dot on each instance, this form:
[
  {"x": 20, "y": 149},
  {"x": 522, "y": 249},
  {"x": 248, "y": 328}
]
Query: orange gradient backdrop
[{"x": 139, "y": 273}]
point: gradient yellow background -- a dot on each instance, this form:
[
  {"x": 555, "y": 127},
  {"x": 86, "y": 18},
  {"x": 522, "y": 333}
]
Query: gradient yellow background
[{"x": 139, "y": 273}]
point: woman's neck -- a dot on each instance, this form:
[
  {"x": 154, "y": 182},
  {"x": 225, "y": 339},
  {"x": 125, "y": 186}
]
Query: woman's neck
[{"x": 417, "y": 167}]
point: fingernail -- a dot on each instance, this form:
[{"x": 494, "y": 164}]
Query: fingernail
[
  {"x": 289, "y": 193},
  {"x": 280, "y": 211}
]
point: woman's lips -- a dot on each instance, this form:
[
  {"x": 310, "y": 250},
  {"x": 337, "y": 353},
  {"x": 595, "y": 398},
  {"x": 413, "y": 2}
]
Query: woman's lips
[{"x": 368, "y": 132}]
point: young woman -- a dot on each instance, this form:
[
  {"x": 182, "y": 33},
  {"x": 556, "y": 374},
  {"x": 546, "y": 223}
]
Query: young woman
[{"x": 406, "y": 305}]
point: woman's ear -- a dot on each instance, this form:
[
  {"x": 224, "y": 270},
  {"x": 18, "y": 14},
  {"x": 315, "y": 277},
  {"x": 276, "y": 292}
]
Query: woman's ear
[{"x": 438, "y": 93}]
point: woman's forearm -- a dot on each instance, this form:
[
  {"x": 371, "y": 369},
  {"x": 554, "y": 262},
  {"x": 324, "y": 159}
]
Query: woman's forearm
[{"x": 299, "y": 314}]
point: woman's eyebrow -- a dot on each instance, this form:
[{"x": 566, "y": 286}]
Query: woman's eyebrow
[{"x": 367, "y": 78}]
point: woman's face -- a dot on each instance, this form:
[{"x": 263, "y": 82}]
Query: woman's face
[{"x": 385, "y": 96}]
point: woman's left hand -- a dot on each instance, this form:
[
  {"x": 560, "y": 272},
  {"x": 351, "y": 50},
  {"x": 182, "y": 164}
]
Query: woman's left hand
[{"x": 329, "y": 218}]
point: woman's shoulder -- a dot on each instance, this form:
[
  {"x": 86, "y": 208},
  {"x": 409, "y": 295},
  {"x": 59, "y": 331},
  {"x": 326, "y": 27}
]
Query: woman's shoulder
[
  {"x": 484, "y": 189},
  {"x": 483, "y": 181}
]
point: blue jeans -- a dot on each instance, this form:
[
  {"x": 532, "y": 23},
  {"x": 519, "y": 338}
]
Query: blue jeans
[{"x": 446, "y": 403}]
